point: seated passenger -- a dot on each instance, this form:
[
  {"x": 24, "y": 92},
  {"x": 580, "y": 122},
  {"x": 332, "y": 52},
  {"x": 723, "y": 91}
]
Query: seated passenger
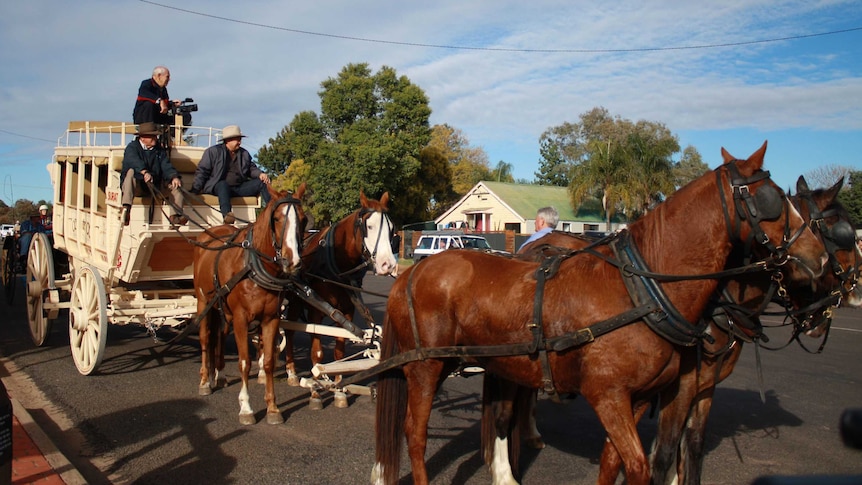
[
  {"x": 144, "y": 159},
  {"x": 45, "y": 218},
  {"x": 28, "y": 228},
  {"x": 226, "y": 170}
]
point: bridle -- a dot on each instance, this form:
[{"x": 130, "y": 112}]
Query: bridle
[
  {"x": 278, "y": 240},
  {"x": 361, "y": 225},
  {"x": 767, "y": 204}
]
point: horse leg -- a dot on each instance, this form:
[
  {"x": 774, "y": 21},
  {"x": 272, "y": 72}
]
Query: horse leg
[
  {"x": 526, "y": 416},
  {"x": 339, "y": 396},
  {"x": 615, "y": 414},
  {"x": 611, "y": 463},
  {"x": 423, "y": 379},
  {"x": 268, "y": 336},
  {"x": 240, "y": 332},
  {"x": 205, "y": 387},
  {"x": 498, "y": 411},
  {"x": 676, "y": 400},
  {"x": 691, "y": 446},
  {"x": 290, "y": 363},
  {"x": 315, "y": 403}
]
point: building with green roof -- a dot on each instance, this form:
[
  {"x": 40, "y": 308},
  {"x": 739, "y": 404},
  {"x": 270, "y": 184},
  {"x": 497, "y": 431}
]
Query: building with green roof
[{"x": 500, "y": 206}]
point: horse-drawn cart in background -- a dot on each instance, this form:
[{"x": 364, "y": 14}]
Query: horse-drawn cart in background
[{"x": 137, "y": 273}]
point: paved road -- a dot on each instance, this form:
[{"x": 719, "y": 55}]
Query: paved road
[{"x": 140, "y": 420}]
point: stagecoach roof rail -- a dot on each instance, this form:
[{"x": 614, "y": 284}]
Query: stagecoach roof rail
[{"x": 120, "y": 133}]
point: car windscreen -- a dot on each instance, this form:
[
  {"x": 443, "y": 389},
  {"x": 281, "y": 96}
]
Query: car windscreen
[{"x": 425, "y": 243}]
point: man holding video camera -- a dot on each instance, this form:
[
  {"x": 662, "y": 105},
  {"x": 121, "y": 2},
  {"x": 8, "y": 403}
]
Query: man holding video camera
[{"x": 153, "y": 102}]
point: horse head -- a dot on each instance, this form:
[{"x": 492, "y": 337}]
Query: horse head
[
  {"x": 761, "y": 214},
  {"x": 376, "y": 228},
  {"x": 829, "y": 221},
  {"x": 287, "y": 224}
]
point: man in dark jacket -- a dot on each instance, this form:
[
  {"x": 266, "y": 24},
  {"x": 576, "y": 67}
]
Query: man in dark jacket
[
  {"x": 153, "y": 102},
  {"x": 226, "y": 170},
  {"x": 144, "y": 159}
]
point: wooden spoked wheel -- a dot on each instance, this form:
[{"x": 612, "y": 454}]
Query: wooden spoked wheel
[
  {"x": 88, "y": 320},
  {"x": 40, "y": 279}
]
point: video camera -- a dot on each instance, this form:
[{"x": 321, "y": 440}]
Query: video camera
[
  {"x": 184, "y": 109},
  {"x": 185, "y": 106}
]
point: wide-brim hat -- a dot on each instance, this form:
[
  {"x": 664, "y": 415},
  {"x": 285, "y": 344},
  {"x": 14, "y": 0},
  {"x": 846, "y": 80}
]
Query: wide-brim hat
[
  {"x": 148, "y": 128},
  {"x": 230, "y": 132}
]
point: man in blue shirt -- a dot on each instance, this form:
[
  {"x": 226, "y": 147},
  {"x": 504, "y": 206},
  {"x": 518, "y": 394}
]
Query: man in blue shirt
[{"x": 546, "y": 220}]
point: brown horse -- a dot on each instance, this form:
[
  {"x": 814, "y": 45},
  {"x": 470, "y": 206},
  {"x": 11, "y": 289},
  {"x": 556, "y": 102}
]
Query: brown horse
[
  {"x": 334, "y": 262},
  {"x": 700, "y": 374},
  {"x": 240, "y": 275},
  {"x": 435, "y": 304},
  {"x": 684, "y": 410}
]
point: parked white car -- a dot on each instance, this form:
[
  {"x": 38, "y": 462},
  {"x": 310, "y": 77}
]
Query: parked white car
[
  {"x": 429, "y": 244},
  {"x": 7, "y": 230}
]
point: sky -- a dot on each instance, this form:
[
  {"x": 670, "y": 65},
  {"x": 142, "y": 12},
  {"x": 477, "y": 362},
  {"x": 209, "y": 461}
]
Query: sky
[{"x": 729, "y": 74}]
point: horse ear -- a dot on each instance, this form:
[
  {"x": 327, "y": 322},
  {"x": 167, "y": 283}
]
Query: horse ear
[
  {"x": 384, "y": 201},
  {"x": 802, "y": 185},
  {"x": 833, "y": 191},
  {"x": 300, "y": 191},
  {"x": 726, "y": 156},
  {"x": 362, "y": 199},
  {"x": 754, "y": 162}
]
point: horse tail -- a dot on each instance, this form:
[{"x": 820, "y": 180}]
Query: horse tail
[{"x": 391, "y": 414}]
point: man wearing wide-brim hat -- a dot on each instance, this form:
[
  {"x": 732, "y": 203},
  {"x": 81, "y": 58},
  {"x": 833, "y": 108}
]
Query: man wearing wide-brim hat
[
  {"x": 145, "y": 160},
  {"x": 226, "y": 170}
]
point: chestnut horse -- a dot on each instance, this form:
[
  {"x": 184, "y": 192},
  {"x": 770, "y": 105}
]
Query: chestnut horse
[
  {"x": 699, "y": 374},
  {"x": 684, "y": 411},
  {"x": 240, "y": 275},
  {"x": 334, "y": 261},
  {"x": 435, "y": 305}
]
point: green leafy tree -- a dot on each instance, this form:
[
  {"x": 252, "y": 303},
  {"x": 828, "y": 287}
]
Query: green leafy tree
[
  {"x": 368, "y": 136},
  {"x": 296, "y": 141},
  {"x": 469, "y": 164},
  {"x": 554, "y": 169},
  {"x": 627, "y": 165},
  {"x": 502, "y": 172},
  {"x": 851, "y": 197},
  {"x": 689, "y": 167},
  {"x": 430, "y": 192}
]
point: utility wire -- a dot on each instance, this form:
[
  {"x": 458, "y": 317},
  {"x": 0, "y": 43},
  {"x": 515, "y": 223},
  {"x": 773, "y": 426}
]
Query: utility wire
[
  {"x": 26, "y": 136},
  {"x": 503, "y": 49}
]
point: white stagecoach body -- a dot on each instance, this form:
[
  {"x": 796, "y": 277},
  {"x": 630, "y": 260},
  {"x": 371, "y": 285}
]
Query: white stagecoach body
[{"x": 138, "y": 273}]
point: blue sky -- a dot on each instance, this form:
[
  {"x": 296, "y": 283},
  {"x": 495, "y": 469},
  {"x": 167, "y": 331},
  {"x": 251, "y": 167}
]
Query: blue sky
[{"x": 509, "y": 71}]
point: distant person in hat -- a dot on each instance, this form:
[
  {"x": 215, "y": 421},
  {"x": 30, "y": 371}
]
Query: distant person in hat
[
  {"x": 226, "y": 170},
  {"x": 45, "y": 218},
  {"x": 153, "y": 102},
  {"x": 146, "y": 161}
]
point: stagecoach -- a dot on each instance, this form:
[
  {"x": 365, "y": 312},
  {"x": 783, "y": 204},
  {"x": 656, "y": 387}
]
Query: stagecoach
[{"x": 138, "y": 273}]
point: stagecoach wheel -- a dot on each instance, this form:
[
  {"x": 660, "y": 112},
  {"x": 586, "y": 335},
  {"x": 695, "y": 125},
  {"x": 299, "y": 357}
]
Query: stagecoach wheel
[
  {"x": 9, "y": 279},
  {"x": 88, "y": 320},
  {"x": 40, "y": 279}
]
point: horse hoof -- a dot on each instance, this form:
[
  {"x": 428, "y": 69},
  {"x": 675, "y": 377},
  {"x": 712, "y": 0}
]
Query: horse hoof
[
  {"x": 535, "y": 443},
  {"x": 340, "y": 400},
  {"x": 293, "y": 381},
  {"x": 274, "y": 418},
  {"x": 221, "y": 382},
  {"x": 246, "y": 419},
  {"x": 315, "y": 404},
  {"x": 204, "y": 390}
]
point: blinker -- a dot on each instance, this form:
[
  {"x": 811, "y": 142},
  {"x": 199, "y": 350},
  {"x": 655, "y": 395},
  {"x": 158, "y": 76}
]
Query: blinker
[
  {"x": 843, "y": 235},
  {"x": 769, "y": 202}
]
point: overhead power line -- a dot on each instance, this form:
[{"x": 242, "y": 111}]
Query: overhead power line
[
  {"x": 26, "y": 136},
  {"x": 502, "y": 49}
]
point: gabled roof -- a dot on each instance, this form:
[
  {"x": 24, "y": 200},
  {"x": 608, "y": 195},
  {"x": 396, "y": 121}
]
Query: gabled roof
[{"x": 526, "y": 199}]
